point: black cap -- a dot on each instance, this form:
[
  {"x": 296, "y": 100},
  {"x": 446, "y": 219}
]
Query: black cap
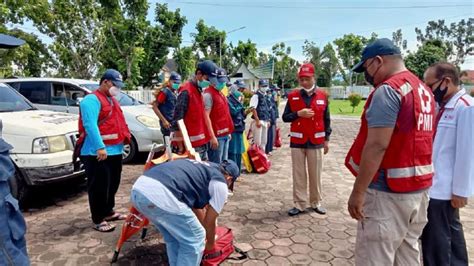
[
  {"x": 7, "y": 41},
  {"x": 379, "y": 47}
]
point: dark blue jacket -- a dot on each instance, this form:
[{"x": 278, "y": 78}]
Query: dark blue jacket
[
  {"x": 167, "y": 108},
  {"x": 263, "y": 110},
  {"x": 238, "y": 113},
  {"x": 188, "y": 180}
]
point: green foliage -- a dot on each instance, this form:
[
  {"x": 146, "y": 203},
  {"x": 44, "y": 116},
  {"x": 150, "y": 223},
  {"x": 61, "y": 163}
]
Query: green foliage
[
  {"x": 354, "y": 99},
  {"x": 247, "y": 96},
  {"x": 185, "y": 60},
  {"x": 458, "y": 38},
  {"x": 428, "y": 54},
  {"x": 397, "y": 39},
  {"x": 286, "y": 68},
  {"x": 246, "y": 52},
  {"x": 325, "y": 62},
  {"x": 349, "y": 49},
  {"x": 343, "y": 107}
]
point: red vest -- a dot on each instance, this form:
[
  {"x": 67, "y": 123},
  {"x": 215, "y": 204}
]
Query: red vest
[
  {"x": 304, "y": 129},
  {"x": 194, "y": 118},
  {"x": 220, "y": 115},
  {"x": 112, "y": 126},
  {"x": 407, "y": 160}
]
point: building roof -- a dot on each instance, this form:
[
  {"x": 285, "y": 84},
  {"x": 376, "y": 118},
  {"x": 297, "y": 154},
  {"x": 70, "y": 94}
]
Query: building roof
[{"x": 264, "y": 71}]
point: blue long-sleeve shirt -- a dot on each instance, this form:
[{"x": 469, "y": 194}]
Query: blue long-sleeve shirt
[{"x": 90, "y": 108}]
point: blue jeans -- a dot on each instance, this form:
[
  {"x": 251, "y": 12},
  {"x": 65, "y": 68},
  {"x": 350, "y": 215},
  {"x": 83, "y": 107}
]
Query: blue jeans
[
  {"x": 183, "y": 233},
  {"x": 222, "y": 152}
]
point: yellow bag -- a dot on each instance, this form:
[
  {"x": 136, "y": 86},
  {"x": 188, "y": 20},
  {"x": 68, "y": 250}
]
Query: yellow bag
[{"x": 245, "y": 155}]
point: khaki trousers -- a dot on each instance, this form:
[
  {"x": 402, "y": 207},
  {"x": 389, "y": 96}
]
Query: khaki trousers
[
  {"x": 307, "y": 165},
  {"x": 389, "y": 233}
]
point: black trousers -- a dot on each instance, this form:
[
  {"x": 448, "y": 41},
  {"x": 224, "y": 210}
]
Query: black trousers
[
  {"x": 103, "y": 180},
  {"x": 443, "y": 240}
]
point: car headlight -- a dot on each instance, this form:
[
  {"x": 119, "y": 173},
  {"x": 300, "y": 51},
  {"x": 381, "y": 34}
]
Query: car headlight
[
  {"x": 50, "y": 144},
  {"x": 149, "y": 121}
]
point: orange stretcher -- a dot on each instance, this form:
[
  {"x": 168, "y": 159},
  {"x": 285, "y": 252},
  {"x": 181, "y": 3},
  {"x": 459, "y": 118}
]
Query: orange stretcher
[{"x": 159, "y": 153}]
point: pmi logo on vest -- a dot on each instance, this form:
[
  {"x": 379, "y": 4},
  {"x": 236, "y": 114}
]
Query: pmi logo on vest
[{"x": 425, "y": 118}]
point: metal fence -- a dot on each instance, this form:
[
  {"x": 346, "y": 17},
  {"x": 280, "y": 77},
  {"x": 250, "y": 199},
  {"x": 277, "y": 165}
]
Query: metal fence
[
  {"x": 145, "y": 96},
  {"x": 341, "y": 92}
]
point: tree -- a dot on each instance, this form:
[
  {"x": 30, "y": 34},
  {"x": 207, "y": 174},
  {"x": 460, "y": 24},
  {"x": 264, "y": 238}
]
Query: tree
[
  {"x": 457, "y": 37},
  {"x": 125, "y": 28},
  {"x": 397, "y": 38},
  {"x": 32, "y": 59},
  {"x": 208, "y": 41},
  {"x": 186, "y": 61},
  {"x": 263, "y": 58},
  {"x": 429, "y": 53},
  {"x": 246, "y": 52},
  {"x": 159, "y": 39},
  {"x": 355, "y": 100},
  {"x": 325, "y": 62},
  {"x": 349, "y": 48},
  {"x": 286, "y": 68}
]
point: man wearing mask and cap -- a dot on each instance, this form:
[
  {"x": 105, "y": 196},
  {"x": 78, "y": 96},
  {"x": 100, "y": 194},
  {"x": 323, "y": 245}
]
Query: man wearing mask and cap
[
  {"x": 166, "y": 102},
  {"x": 190, "y": 108},
  {"x": 443, "y": 240},
  {"x": 12, "y": 224},
  {"x": 308, "y": 112},
  {"x": 218, "y": 116},
  {"x": 103, "y": 133},
  {"x": 183, "y": 199},
  {"x": 261, "y": 115},
  {"x": 391, "y": 159}
]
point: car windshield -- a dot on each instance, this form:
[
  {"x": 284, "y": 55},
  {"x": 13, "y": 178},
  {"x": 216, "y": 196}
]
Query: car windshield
[
  {"x": 123, "y": 98},
  {"x": 12, "y": 101}
]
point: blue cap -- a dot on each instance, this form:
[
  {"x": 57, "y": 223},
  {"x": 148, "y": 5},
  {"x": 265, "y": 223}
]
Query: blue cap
[
  {"x": 219, "y": 76},
  {"x": 7, "y": 41},
  {"x": 207, "y": 67},
  {"x": 114, "y": 76},
  {"x": 263, "y": 82},
  {"x": 230, "y": 168},
  {"x": 240, "y": 83},
  {"x": 379, "y": 47},
  {"x": 175, "y": 77}
]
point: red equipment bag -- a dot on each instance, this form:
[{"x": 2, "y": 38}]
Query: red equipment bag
[
  {"x": 259, "y": 159},
  {"x": 278, "y": 138},
  {"x": 223, "y": 248}
]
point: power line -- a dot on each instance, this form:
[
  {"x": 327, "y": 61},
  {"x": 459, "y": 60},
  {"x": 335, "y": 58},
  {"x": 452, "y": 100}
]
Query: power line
[{"x": 318, "y": 7}]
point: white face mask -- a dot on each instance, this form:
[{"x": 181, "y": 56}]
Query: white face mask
[
  {"x": 114, "y": 91},
  {"x": 310, "y": 90}
]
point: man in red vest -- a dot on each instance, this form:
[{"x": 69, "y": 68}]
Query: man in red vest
[
  {"x": 190, "y": 108},
  {"x": 391, "y": 159},
  {"x": 307, "y": 111},
  {"x": 103, "y": 133},
  {"x": 218, "y": 117}
]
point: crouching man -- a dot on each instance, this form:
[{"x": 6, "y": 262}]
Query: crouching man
[{"x": 182, "y": 199}]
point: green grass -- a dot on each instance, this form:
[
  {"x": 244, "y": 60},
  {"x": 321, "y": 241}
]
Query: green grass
[{"x": 343, "y": 107}]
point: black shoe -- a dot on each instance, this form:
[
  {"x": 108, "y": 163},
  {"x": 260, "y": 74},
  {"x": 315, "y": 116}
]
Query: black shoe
[
  {"x": 294, "y": 211},
  {"x": 320, "y": 210}
]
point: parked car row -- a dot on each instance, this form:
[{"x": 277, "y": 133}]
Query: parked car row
[{"x": 40, "y": 121}]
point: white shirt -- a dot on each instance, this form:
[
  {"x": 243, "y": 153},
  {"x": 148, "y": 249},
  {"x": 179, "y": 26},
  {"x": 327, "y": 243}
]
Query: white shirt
[
  {"x": 453, "y": 149},
  {"x": 160, "y": 195}
]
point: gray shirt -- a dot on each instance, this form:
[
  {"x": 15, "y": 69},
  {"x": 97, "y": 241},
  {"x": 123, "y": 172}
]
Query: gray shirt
[
  {"x": 384, "y": 107},
  {"x": 207, "y": 101}
]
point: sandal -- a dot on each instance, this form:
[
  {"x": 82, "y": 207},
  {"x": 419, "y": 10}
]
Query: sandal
[
  {"x": 115, "y": 217},
  {"x": 104, "y": 227}
]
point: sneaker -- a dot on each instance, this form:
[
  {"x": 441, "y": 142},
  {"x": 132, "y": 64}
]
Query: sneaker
[{"x": 320, "y": 209}]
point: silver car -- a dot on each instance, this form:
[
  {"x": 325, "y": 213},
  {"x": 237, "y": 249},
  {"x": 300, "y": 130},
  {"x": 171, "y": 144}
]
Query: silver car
[{"x": 64, "y": 95}]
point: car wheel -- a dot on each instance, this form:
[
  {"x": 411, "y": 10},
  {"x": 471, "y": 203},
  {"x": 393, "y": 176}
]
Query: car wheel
[
  {"x": 129, "y": 151},
  {"x": 18, "y": 187}
]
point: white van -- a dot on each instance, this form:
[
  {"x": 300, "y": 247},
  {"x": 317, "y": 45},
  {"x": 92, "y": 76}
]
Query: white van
[
  {"x": 64, "y": 95},
  {"x": 43, "y": 142}
]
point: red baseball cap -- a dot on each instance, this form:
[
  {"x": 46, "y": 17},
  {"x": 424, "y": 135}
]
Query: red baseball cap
[{"x": 306, "y": 70}]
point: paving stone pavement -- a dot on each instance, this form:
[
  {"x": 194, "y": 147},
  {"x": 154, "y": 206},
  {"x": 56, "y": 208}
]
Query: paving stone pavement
[{"x": 61, "y": 234}]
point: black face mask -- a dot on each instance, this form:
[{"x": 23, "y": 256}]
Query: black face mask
[
  {"x": 368, "y": 77},
  {"x": 440, "y": 93}
]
